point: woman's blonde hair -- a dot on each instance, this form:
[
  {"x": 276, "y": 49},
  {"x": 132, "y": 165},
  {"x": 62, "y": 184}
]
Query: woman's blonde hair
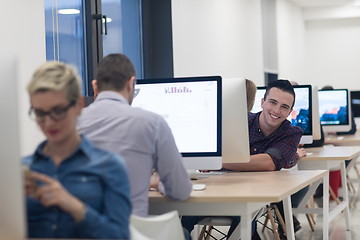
[
  {"x": 56, "y": 76},
  {"x": 250, "y": 94}
]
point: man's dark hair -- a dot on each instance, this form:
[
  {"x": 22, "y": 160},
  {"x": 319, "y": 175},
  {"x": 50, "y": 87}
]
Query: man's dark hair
[
  {"x": 327, "y": 87},
  {"x": 113, "y": 72},
  {"x": 283, "y": 85}
]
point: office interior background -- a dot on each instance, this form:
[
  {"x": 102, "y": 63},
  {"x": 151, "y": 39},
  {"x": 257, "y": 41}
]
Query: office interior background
[{"x": 307, "y": 41}]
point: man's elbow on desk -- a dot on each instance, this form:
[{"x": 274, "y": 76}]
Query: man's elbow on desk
[{"x": 180, "y": 193}]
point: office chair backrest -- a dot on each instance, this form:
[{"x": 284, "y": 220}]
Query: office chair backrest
[{"x": 162, "y": 227}]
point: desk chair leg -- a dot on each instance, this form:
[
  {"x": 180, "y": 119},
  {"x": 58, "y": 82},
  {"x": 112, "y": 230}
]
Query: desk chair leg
[
  {"x": 266, "y": 221},
  {"x": 205, "y": 232},
  {"x": 332, "y": 194},
  {"x": 279, "y": 217},
  {"x": 267, "y": 217},
  {"x": 308, "y": 216},
  {"x": 357, "y": 171},
  {"x": 202, "y": 232},
  {"x": 209, "y": 233},
  {"x": 350, "y": 185},
  {"x": 311, "y": 204},
  {"x": 271, "y": 217}
]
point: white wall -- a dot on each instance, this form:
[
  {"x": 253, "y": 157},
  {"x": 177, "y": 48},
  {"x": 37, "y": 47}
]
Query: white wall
[
  {"x": 217, "y": 37},
  {"x": 333, "y": 52},
  {"x": 291, "y": 42},
  {"x": 319, "y": 46},
  {"x": 23, "y": 38}
]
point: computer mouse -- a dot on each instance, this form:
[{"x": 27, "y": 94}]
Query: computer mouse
[{"x": 198, "y": 187}]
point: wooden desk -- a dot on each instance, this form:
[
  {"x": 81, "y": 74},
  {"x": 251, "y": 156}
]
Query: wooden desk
[
  {"x": 327, "y": 158},
  {"x": 344, "y": 140},
  {"x": 240, "y": 194}
]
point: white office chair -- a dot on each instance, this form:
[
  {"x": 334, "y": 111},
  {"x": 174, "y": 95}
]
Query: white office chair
[
  {"x": 162, "y": 227},
  {"x": 136, "y": 235}
]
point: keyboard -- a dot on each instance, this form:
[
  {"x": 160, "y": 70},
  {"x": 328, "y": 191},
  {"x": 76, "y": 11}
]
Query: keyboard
[{"x": 200, "y": 175}]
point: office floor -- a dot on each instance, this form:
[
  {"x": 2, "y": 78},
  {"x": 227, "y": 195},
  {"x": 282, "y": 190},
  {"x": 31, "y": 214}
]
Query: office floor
[{"x": 337, "y": 226}]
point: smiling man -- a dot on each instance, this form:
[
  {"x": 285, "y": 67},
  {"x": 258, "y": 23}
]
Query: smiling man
[{"x": 273, "y": 140}]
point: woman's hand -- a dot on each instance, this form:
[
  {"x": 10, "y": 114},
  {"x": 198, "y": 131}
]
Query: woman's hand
[{"x": 52, "y": 193}]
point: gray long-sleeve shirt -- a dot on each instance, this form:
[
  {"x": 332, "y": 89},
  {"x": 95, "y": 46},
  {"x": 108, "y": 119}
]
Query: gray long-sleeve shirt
[{"x": 143, "y": 139}]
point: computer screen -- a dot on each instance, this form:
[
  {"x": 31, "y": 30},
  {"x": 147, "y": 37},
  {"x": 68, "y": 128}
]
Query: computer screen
[
  {"x": 192, "y": 107},
  {"x": 12, "y": 208},
  {"x": 334, "y": 110},
  {"x": 301, "y": 115},
  {"x": 355, "y": 103}
]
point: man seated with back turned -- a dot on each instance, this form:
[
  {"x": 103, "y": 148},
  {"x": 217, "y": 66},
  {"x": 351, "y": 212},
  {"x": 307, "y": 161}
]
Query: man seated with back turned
[
  {"x": 273, "y": 140},
  {"x": 141, "y": 137}
]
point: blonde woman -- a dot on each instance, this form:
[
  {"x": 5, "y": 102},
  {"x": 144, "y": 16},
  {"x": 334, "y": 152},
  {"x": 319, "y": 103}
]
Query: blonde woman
[{"x": 74, "y": 190}]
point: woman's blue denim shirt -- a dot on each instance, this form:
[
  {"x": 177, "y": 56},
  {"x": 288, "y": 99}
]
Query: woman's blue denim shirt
[{"x": 96, "y": 177}]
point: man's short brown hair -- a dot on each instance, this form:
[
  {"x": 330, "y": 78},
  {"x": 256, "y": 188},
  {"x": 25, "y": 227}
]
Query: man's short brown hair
[{"x": 113, "y": 72}]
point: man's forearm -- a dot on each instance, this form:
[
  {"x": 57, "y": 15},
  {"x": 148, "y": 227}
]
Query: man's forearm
[{"x": 258, "y": 162}]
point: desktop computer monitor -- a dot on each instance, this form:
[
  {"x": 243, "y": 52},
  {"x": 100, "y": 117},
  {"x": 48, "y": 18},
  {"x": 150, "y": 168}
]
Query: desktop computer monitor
[
  {"x": 301, "y": 115},
  {"x": 335, "y": 110},
  {"x": 12, "y": 208},
  {"x": 355, "y": 103},
  {"x": 192, "y": 107},
  {"x": 315, "y": 114},
  {"x": 235, "y": 131}
]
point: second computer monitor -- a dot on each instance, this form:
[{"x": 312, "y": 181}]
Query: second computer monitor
[
  {"x": 335, "y": 110},
  {"x": 315, "y": 114},
  {"x": 301, "y": 115},
  {"x": 355, "y": 103}
]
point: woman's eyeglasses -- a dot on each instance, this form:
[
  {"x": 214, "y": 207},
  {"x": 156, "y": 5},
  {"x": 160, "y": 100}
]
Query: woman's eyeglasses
[{"x": 56, "y": 114}]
